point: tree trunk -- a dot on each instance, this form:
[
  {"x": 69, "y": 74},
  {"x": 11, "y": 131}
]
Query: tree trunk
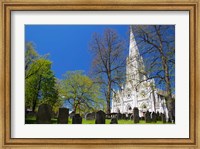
[
  {"x": 168, "y": 89},
  {"x": 75, "y": 107},
  {"x": 36, "y": 97},
  {"x": 166, "y": 78},
  {"x": 108, "y": 98},
  {"x": 34, "y": 104},
  {"x": 154, "y": 99}
]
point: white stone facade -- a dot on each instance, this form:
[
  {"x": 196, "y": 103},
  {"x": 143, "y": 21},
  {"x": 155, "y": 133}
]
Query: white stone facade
[{"x": 137, "y": 90}]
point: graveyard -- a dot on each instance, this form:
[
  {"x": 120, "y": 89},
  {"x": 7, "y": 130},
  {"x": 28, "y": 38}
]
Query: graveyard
[
  {"x": 32, "y": 120},
  {"x": 45, "y": 116},
  {"x": 122, "y": 82}
]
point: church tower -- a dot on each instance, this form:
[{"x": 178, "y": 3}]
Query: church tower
[
  {"x": 137, "y": 90},
  {"x": 134, "y": 62}
]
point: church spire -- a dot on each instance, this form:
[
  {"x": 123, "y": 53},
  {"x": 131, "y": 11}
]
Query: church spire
[
  {"x": 134, "y": 61},
  {"x": 133, "y": 49}
]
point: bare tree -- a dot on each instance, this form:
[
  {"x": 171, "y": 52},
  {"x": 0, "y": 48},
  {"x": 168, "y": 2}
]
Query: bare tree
[
  {"x": 157, "y": 46},
  {"x": 109, "y": 61}
]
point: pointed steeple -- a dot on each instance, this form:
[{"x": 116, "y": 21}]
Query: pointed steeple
[
  {"x": 133, "y": 49},
  {"x": 134, "y": 61}
]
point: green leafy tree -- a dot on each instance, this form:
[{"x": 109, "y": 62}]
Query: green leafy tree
[
  {"x": 80, "y": 91},
  {"x": 40, "y": 82},
  {"x": 40, "y": 87},
  {"x": 60, "y": 100}
]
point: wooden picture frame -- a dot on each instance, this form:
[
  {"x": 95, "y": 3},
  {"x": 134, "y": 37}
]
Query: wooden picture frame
[{"x": 116, "y": 5}]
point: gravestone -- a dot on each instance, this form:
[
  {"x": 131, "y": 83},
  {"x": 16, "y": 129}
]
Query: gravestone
[
  {"x": 142, "y": 118},
  {"x": 154, "y": 117},
  {"x": 169, "y": 120},
  {"x": 114, "y": 120},
  {"x": 77, "y": 119},
  {"x": 148, "y": 117},
  {"x": 136, "y": 118},
  {"x": 107, "y": 116},
  {"x": 113, "y": 115},
  {"x": 163, "y": 118},
  {"x": 119, "y": 116},
  {"x": 100, "y": 117},
  {"x": 90, "y": 116},
  {"x": 157, "y": 116},
  {"x": 63, "y": 116},
  {"x": 160, "y": 117},
  {"x": 44, "y": 114},
  {"x": 123, "y": 116},
  {"x": 131, "y": 117}
]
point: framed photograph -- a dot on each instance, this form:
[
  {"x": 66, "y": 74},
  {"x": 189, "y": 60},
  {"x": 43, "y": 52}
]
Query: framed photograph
[{"x": 114, "y": 74}]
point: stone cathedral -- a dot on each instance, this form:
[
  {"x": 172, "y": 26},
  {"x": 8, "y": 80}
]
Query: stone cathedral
[{"x": 136, "y": 92}]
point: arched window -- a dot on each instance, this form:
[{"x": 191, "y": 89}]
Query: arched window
[
  {"x": 143, "y": 105},
  {"x": 128, "y": 93}
]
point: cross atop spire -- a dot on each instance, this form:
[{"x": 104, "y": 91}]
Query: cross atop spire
[{"x": 133, "y": 49}]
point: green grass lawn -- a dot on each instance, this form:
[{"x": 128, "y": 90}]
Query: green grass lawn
[
  {"x": 121, "y": 122},
  {"x": 32, "y": 120}
]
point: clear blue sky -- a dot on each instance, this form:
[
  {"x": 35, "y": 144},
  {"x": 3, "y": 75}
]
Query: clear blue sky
[{"x": 68, "y": 45}]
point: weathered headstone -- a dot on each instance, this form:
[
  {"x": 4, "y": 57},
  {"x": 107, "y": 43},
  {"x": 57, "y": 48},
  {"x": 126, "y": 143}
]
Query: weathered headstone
[
  {"x": 77, "y": 119},
  {"x": 136, "y": 118},
  {"x": 169, "y": 120},
  {"x": 44, "y": 114},
  {"x": 114, "y": 120},
  {"x": 100, "y": 117},
  {"x": 90, "y": 116},
  {"x": 163, "y": 118},
  {"x": 157, "y": 116},
  {"x": 160, "y": 117},
  {"x": 63, "y": 116},
  {"x": 154, "y": 117},
  {"x": 131, "y": 117},
  {"x": 123, "y": 116},
  {"x": 107, "y": 116},
  {"x": 119, "y": 116},
  {"x": 148, "y": 117},
  {"x": 113, "y": 115}
]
